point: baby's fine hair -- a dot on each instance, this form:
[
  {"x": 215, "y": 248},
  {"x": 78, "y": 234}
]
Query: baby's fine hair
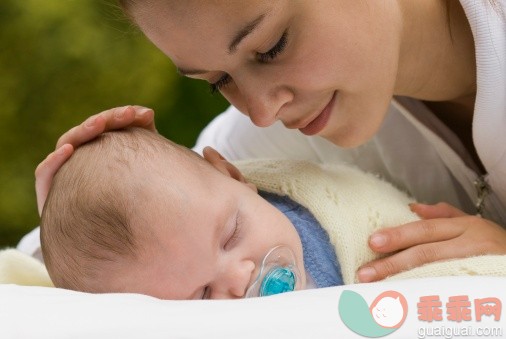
[{"x": 87, "y": 219}]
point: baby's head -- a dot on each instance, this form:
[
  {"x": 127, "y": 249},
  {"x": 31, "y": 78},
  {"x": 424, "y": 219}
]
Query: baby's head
[{"x": 133, "y": 212}]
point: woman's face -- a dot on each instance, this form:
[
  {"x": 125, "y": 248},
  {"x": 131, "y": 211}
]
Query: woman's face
[{"x": 324, "y": 67}]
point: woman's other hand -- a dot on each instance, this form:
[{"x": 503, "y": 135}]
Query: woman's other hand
[
  {"x": 444, "y": 233},
  {"x": 92, "y": 127}
]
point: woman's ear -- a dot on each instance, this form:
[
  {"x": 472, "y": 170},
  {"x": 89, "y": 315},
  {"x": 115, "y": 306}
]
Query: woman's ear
[{"x": 221, "y": 164}]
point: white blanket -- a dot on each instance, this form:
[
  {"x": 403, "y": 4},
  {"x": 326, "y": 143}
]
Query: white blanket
[
  {"x": 51, "y": 313},
  {"x": 19, "y": 268}
]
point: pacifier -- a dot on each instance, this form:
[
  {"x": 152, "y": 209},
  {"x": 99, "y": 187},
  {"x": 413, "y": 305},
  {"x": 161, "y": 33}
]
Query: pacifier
[{"x": 278, "y": 274}]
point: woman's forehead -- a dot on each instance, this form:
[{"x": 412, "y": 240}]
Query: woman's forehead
[
  {"x": 199, "y": 15},
  {"x": 203, "y": 32}
]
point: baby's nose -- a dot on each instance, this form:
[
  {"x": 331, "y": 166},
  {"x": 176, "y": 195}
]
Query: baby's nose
[
  {"x": 236, "y": 280},
  {"x": 240, "y": 285}
]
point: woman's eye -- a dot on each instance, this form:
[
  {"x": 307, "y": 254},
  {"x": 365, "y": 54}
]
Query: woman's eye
[
  {"x": 218, "y": 85},
  {"x": 274, "y": 51},
  {"x": 261, "y": 57}
]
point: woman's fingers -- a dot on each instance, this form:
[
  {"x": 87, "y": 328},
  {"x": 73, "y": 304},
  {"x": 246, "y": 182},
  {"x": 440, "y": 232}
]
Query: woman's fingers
[
  {"x": 419, "y": 242},
  {"x": 89, "y": 129},
  {"x": 397, "y": 238},
  {"x": 46, "y": 170},
  {"x": 145, "y": 117},
  {"x": 115, "y": 118},
  {"x": 440, "y": 210},
  {"x": 425, "y": 241},
  {"x": 431, "y": 228},
  {"x": 410, "y": 258}
]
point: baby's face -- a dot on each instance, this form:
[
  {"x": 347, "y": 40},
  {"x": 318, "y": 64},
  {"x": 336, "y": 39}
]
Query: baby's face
[{"x": 208, "y": 235}]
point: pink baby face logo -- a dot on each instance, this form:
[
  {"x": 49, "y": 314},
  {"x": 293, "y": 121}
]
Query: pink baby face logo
[
  {"x": 383, "y": 316},
  {"x": 389, "y": 309}
]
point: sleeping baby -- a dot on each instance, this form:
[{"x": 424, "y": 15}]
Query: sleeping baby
[{"x": 134, "y": 212}]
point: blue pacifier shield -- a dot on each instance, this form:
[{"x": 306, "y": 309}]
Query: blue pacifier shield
[
  {"x": 278, "y": 280},
  {"x": 278, "y": 274}
]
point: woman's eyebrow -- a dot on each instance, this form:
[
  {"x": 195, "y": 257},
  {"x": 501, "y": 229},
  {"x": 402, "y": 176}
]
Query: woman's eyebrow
[
  {"x": 244, "y": 32},
  {"x": 186, "y": 72},
  {"x": 232, "y": 47}
]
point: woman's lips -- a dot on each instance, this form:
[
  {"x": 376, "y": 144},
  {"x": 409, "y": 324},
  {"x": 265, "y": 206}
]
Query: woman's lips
[{"x": 319, "y": 123}]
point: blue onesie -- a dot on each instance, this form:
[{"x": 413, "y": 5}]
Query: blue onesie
[{"x": 319, "y": 256}]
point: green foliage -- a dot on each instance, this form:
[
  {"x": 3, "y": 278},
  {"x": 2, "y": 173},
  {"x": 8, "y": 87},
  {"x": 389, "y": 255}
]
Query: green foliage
[{"x": 63, "y": 60}]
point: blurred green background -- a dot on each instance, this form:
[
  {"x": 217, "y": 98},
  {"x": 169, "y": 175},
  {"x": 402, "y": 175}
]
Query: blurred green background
[{"x": 63, "y": 60}]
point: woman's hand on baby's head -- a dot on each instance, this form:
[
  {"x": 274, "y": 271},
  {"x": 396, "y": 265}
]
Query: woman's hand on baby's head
[
  {"x": 444, "y": 233},
  {"x": 115, "y": 118}
]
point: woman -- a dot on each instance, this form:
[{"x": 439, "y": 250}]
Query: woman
[{"x": 412, "y": 90}]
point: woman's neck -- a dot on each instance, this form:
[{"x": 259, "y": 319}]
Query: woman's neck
[
  {"x": 439, "y": 64},
  {"x": 437, "y": 52}
]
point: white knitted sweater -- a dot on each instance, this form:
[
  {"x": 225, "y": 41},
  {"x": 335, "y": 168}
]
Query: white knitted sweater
[{"x": 350, "y": 205}]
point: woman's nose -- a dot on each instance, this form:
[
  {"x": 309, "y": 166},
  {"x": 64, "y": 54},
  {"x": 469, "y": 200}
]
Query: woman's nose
[
  {"x": 263, "y": 102},
  {"x": 235, "y": 280}
]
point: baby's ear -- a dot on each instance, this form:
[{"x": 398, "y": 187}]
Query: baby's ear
[{"x": 221, "y": 164}]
